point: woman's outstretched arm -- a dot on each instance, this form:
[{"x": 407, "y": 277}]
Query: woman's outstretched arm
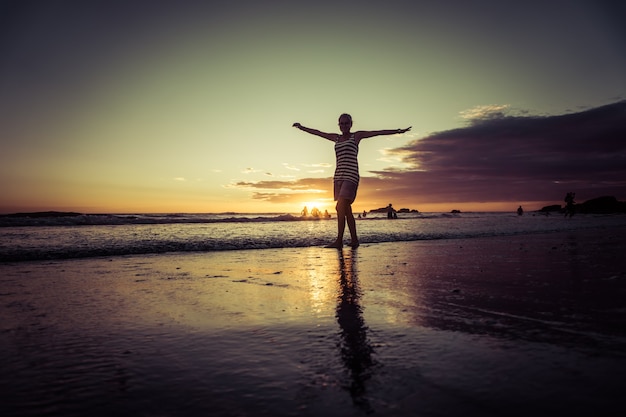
[
  {"x": 362, "y": 134},
  {"x": 329, "y": 136}
]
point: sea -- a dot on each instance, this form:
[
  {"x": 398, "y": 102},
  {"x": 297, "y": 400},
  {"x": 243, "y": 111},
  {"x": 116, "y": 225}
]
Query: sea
[
  {"x": 94, "y": 321},
  {"x": 59, "y": 236}
]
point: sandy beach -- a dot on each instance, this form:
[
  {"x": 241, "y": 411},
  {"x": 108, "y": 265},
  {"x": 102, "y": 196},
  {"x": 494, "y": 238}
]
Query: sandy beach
[{"x": 523, "y": 325}]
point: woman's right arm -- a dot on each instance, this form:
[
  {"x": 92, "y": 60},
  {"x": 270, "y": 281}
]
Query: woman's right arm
[{"x": 329, "y": 136}]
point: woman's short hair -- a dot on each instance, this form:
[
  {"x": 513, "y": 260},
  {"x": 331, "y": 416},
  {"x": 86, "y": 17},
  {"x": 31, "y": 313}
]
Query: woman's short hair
[{"x": 346, "y": 115}]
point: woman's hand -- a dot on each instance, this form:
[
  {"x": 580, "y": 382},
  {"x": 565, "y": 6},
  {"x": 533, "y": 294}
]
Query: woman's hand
[{"x": 298, "y": 125}]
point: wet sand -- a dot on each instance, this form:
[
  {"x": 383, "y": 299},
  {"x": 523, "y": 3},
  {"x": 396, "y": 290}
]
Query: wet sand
[{"x": 501, "y": 326}]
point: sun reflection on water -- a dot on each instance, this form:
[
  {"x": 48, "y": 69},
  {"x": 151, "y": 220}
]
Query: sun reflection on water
[{"x": 320, "y": 272}]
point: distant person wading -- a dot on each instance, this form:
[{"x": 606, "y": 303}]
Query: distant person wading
[{"x": 346, "y": 178}]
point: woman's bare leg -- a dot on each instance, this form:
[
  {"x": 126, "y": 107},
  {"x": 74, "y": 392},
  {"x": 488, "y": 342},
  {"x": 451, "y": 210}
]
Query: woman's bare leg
[
  {"x": 342, "y": 208},
  {"x": 354, "y": 239}
]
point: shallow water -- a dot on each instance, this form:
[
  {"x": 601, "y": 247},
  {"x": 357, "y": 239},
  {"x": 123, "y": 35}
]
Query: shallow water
[{"x": 285, "y": 332}]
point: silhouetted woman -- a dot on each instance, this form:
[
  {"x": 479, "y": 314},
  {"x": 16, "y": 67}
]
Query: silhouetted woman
[{"x": 346, "y": 179}]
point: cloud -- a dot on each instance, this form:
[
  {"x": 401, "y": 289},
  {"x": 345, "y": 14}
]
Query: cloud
[
  {"x": 394, "y": 157},
  {"x": 288, "y": 191},
  {"x": 275, "y": 197},
  {"x": 291, "y": 167},
  {"x": 318, "y": 165},
  {"x": 514, "y": 158},
  {"x": 318, "y": 168},
  {"x": 492, "y": 111},
  {"x": 288, "y": 197},
  {"x": 305, "y": 184}
]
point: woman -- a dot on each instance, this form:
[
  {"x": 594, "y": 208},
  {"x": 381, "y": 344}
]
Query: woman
[{"x": 346, "y": 179}]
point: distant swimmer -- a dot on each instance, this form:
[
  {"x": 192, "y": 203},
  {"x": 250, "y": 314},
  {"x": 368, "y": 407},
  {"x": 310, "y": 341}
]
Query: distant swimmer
[
  {"x": 346, "y": 178},
  {"x": 520, "y": 211}
]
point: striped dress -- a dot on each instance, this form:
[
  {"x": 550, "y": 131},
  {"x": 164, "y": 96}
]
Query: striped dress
[{"x": 347, "y": 168}]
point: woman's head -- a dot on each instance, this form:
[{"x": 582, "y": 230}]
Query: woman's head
[{"x": 345, "y": 122}]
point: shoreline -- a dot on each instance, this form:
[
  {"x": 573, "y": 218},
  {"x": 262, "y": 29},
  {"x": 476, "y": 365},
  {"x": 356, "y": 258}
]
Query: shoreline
[
  {"x": 61, "y": 243},
  {"x": 509, "y": 325}
]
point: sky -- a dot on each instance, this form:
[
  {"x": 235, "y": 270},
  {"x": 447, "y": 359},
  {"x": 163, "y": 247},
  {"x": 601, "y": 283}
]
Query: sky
[{"x": 187, "y": 106}]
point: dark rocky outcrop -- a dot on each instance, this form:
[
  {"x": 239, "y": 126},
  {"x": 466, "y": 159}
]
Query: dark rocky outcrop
[
  {"x": 386, "y": 209},
  {"x": 551, "y": 209},
  {"x": 602, "y": 205},
  {"x": 599, "y": 205}
]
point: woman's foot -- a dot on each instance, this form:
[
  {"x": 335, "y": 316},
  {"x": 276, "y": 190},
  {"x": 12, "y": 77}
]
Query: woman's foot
[{"x": 354, "y": 244}]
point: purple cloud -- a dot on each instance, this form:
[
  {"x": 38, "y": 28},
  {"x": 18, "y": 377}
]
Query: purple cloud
[{"x": 513, "y": 158}]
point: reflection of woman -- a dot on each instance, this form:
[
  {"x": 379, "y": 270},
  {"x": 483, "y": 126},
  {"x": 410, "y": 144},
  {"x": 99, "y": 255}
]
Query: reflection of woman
[
  {"x": 356, "y": 352},
  {"x": 346, "y": 179}
]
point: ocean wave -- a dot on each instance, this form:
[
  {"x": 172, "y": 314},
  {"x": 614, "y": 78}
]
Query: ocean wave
[
  {"x": 76, "y": 219},
  {"x": 121, "y": 235},
  {"x": 53, "y": 218},
  {"x": 161, "y": 247}
]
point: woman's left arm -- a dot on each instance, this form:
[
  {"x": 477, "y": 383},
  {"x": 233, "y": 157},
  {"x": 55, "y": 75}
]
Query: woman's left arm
[{"x": 362, "y": 134}]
